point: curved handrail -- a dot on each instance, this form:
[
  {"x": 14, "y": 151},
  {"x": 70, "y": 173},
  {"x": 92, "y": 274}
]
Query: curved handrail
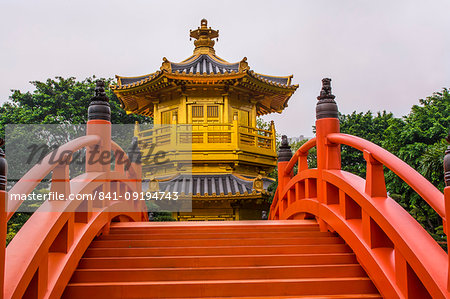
[
  {"x": 411, "y": 241},
  {"x": 38, "y": 172},
  {"x": 400, "y": 256},
  {"x": 303, "y": 150},
  {"x": 414, "y": 179},
  {"x": 361, "y": 212},
  {"x": 35, "y": 246},
  {"x": 26, "y": 251}
]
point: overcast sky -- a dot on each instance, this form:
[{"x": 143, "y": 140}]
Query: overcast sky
[{"x": 381, "y": 55}]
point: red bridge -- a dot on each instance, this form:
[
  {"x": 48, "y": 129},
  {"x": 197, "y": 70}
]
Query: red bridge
[{"x": 331, "y": 233}]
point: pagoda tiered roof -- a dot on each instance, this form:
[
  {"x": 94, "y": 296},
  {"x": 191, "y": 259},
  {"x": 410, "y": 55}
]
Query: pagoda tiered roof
[{"x": 206, "y": 69}]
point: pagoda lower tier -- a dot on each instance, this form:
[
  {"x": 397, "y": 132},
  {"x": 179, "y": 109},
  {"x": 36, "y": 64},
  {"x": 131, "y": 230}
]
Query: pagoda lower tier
[{"x": 217, "y": 196}]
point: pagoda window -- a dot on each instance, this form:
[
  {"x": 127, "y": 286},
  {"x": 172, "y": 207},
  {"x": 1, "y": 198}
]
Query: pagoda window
[
  {"x": 243, "y": 118},
  {"x": 169, "y": 117},
  {"x": 205, "y": 113},
  {"x": 212, "y": 113},
  {"x": 197, "y": 114}
]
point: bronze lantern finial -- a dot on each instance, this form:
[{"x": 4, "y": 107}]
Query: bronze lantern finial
[
  {"x": 326, "y": 106},
  {"x": 284, "y": 151},
  {"x": 325, "y": 93},
  {"x": 99, "y": 107},
  {"x": 204, "y": 36}
]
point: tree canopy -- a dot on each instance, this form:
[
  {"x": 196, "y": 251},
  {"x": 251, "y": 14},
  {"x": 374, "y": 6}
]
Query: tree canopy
[{"x": 60, "y": 100}]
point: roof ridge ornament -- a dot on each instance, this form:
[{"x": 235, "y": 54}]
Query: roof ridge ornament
[
  {"x": 243, "y": 65},
  {"x": 166, "y": 65},
  {"x": 204, "y": 35}
]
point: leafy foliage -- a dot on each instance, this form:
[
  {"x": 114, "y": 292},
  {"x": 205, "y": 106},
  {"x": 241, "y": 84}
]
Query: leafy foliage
[
  {"x": 367, "y": 126},
  {"x": 417, "y": 139},
  {"x": 58, "y": 101},
  {"x": 14, "y": 225}
]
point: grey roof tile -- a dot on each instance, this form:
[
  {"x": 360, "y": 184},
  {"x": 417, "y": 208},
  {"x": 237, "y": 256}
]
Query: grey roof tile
[
  {"x": 204, "y": 64},
  {"x": 207, "y": 185}
]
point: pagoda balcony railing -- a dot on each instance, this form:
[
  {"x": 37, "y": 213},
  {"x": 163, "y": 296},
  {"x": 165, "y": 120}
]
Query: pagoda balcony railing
[{"x": 210, "y": 137}]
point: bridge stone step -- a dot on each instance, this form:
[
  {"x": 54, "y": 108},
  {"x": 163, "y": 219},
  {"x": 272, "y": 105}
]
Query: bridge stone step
[
  {"x": 343, "y": 296},
  {"x": 223, "y": 288},
  {"x": 216, "y": 250},
  {"x": 177, "y": 231},
  {"x": 216, "y": 273},
  {"x": 213, "y": 235},
  {"x": 215, "y": 226},
  {"x": 215, "y": 242},
  {"x": 221, "y": 260}
]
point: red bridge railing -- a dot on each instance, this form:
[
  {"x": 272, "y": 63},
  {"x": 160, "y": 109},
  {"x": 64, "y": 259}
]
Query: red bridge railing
[
  {"x": 401, "y": 258},
  {"x": 41, "y": 258}
]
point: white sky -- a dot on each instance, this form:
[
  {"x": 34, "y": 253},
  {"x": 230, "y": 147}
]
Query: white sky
[{"x": 381, "y": 55}]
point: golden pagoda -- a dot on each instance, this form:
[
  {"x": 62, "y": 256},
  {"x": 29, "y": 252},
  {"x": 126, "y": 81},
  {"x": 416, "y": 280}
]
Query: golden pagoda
[{"x": 219, "y": 101}]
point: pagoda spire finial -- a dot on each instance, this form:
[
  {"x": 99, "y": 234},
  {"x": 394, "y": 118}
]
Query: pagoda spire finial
[{"x": 204, "y": 35}]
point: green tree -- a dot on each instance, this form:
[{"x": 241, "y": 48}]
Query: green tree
[
  {"x": 417, "y": 139},
  {"x": 60, "y": 100},
  {"x": 367, "y": 126}
]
